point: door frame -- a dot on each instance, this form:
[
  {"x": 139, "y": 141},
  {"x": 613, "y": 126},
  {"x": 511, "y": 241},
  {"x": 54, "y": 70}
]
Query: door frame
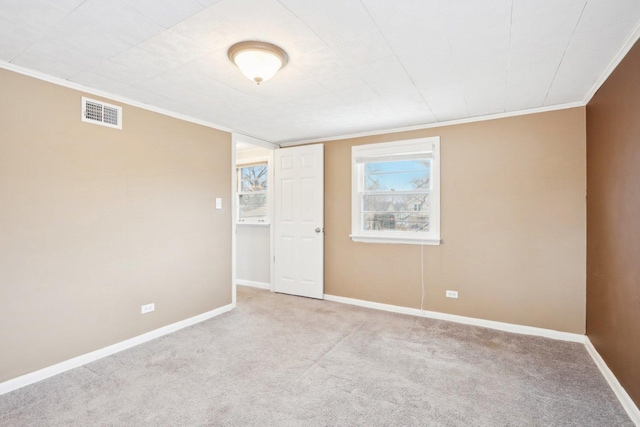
[{"x": 236, "y": 138}]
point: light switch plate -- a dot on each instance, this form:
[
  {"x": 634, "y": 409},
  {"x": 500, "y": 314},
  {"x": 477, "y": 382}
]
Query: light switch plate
[
  {"x": 147, "y": 308},
  {"x": 218, "y": 203}
]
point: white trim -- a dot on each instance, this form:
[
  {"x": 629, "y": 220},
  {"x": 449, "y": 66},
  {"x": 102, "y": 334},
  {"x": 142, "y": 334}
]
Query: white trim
[
  {"x": 622, "y": 52},
  {"x": 252, "y": 160},
  {"x": 240, "y": 137},
  {"x": 76, "y": 86},
  {"x": 361, "y": 238},
  {"x": 235, "y": 138},
  {"x": 261, "y": 142},
  {"x": 272, "y": 235},
  {"x": 400, "y": 149},
  {"x": 625, "y": 400},
  {"x": 234, "y": 215},
  {"x": 251, "y": 221},
  {"x": 620, "y": 392},
  {"x": 248, "y": 222},
  {"x": 251, "y": 283},
  {"x": 437, "y": 124},
  {"x": 617, "y": 59},
  {"x": 491, "y": 324},
  {"x": 58, "y": 368}
]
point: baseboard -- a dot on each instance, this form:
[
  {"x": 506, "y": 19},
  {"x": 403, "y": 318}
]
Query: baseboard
[
  {"x": 260, "y": 285},
  {"x": 58, "y": 368},
  {"x": 627, "y": 403},
  {"x": 501, "y": 326}
]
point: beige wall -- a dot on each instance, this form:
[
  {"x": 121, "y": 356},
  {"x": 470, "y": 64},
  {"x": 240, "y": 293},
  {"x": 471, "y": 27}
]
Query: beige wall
[
  {"x": 513, "y": 225},
  {"x": 95, "y": 222}
]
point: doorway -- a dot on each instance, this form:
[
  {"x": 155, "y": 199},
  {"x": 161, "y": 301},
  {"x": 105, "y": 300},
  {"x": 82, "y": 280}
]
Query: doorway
[
  {"x": 252, "y": 213},
  {"x": 278, "y": 217}
]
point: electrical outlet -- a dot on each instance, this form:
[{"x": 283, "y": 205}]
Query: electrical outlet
[
  {"x": 451, "y": 294},
  {"x": 147, "y": 308}
]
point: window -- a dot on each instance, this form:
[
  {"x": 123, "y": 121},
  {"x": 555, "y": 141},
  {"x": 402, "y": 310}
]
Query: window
[
  {"x": 396, "y": 192},
  {"x": 252, "y": 193}
]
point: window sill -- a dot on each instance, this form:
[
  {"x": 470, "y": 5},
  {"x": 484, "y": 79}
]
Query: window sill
[{"x": 396, "y": 240}]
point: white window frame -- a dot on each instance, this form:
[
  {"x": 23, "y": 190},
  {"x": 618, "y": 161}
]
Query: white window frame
[
  {"x": 248, "y": 163},
  {"x": 387, "y": 150}
]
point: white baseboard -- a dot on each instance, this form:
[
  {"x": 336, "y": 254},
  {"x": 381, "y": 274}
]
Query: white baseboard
[
  {"x": 625, "y": 400},
  {"x": 508, "y": 327},
  {"x": 58, "y": 368},
  {"x": 622, "y": 395},
  {"x": 260, "y": 285}
]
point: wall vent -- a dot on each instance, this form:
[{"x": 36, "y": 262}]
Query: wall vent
[{"x": 101, "y": 113}]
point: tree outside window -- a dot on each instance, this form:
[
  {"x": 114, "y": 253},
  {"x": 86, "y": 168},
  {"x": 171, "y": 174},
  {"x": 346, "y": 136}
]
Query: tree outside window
[{"x": 252, "y": 193}]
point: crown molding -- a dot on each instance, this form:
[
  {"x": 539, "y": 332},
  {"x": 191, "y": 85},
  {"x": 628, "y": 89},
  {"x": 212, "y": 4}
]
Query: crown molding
[
  {"x": 438, "y": 124},
  {"x": 622, "y": 52},
  {"x": 240, "y": 137},
  {"x": 124, "y": 100},
  {"x": 617, "y": 59}
]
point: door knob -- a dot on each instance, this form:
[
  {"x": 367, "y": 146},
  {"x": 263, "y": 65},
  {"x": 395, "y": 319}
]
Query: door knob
[{"x": 318, "y": 230}]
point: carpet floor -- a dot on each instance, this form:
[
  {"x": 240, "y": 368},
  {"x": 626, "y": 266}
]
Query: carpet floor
[{"x": 279, "y": 360}]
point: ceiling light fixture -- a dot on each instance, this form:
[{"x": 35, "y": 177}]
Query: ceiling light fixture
[{"x": 259, "y": 61}]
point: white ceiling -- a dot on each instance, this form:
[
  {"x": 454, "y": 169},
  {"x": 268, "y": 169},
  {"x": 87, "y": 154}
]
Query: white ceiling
[{"x": 355, "y": 65}]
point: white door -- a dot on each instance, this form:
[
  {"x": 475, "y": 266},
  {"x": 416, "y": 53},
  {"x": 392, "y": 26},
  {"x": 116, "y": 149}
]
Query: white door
[{"x": 299, "y": 221}]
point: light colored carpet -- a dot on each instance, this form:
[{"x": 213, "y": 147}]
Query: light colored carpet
[{"x": 279, "y": 360}]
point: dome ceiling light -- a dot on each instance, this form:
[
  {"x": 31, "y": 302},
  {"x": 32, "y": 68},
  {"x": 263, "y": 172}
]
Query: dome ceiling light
[{"x": 259, "y": 61}]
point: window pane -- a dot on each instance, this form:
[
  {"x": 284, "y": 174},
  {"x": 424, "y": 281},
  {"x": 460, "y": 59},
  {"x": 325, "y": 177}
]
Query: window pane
[
  {"x": 252, "y": 212},
  {"x": 418, "y": 202},
  {"x": 398, "y": 175},
  {"x": 253, "y": 199},
  {"x": 399, "y": 212},
  {"x": 252, "y": 206},
  {"x": 395, "y": 221},
  {"x": 253, "y": 185},
  {"x": 253, "y": 178}
]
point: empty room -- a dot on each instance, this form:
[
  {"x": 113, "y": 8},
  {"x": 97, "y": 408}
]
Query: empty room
[{"x": 319, "y": 213}]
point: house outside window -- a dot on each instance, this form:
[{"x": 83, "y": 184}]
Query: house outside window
[
  {"x": 252, "y": 193},
  {"x": 396, "y": 192}
]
